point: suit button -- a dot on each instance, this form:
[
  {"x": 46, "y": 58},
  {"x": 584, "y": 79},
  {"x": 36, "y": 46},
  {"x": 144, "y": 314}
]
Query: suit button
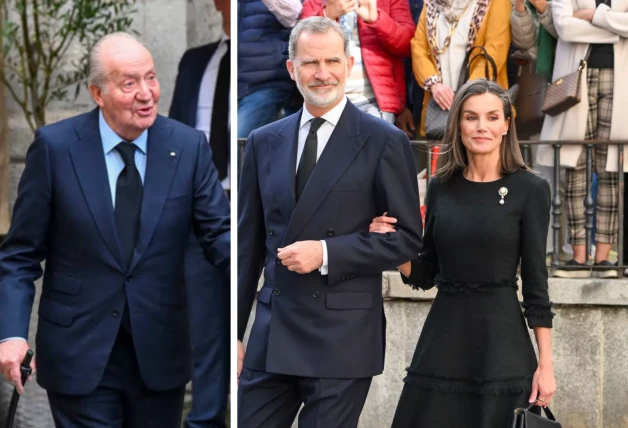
[
  {"x": 330, "y": 232},
  {"x": 115, "y": 313},
  {"x": 315, "y": 294},
  {"x": 271, "y": 231},
  {"x": 277, "y": 292}
]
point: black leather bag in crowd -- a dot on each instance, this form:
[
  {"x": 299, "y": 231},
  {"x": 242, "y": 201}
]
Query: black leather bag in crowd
[
  {"x": 435, "y": 117},
  {"x": 524, "y": 418}
]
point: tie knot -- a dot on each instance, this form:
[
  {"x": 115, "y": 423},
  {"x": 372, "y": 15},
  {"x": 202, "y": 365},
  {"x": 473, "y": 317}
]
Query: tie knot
[
  {"x": 127, "y": 151},
  {"x": 317, "y": 122}
]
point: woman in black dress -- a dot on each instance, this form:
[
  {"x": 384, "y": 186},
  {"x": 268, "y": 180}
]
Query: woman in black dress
[{"x": 474, "y": 362}]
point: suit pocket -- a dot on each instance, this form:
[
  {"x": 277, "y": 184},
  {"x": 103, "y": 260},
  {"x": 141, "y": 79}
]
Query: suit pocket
[
  {"x": 265, "y": 294},
  {"x": 65, "y": 284},
  {"x": 56, "y": 312},
  {"x": 349, "y": 300}
]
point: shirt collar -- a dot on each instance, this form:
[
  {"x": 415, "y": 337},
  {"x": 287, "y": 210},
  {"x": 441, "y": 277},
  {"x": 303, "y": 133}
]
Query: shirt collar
[
  {"x": 110, "y": 139},
  {"x": 332, "y": 116}
]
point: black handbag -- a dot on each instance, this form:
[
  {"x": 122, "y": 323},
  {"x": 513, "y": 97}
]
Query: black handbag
[
  {"x": 524, "y": 418},
  {"x": 435, "y": 117}
]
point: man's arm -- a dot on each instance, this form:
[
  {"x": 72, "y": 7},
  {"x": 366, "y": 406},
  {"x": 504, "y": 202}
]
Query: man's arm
[
  {"x": 396, "y": 192},
  {"x": 24, "y": 247},
  {"x": 287, "y": 12},
  {"x": 251, "y": 236},
  {"x": 21, "y": 254},
  {"x": 211, "y": 211}
]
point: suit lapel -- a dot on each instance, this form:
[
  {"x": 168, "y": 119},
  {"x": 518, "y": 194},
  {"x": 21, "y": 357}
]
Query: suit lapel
[
  {"x": 162, "y": 158},
  {"x": 88, "y": 159},
  {"x": 343, "y": 146},
  {"x": 283, "y": 164}
]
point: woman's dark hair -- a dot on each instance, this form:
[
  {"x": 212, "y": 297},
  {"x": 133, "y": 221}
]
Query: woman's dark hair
[{"x": 453, "y": 156}]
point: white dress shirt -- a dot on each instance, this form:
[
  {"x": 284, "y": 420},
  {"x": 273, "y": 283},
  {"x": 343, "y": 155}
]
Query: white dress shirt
[
  {"x": 206, "y": 94},
  {"x": 322, "y": 135}
]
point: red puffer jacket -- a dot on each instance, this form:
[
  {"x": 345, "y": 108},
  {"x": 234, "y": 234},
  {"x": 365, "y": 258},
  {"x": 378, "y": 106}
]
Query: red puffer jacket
[{"x": 385, "y": 43}]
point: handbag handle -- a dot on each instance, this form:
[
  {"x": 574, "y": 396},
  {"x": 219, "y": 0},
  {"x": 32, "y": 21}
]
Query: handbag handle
[
  {"x": 464, "y": 72},
  {"x": 546, "y": 410}
]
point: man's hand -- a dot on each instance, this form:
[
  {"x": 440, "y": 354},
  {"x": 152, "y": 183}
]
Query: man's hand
[
  {"x": 240, "y": 359},
  {"x": 405, "y": 122},
  {"x": 302, "y": 257},
  {"x": 12, "y": 353},
  {"x": 336, "y": 8},
  {"x": 367, "y": 10},
  {"x": 584, "y": 14}
]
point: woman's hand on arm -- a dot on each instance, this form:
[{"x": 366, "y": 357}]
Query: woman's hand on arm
[{"x": 384, "y": 224}]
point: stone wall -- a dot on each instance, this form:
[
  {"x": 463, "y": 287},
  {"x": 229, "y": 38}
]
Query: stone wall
[{"x": 590, "y": 345}]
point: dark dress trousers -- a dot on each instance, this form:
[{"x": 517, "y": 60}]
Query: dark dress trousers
[
  {"x": 64, "y": 215},
  {"x": 320, "y": 326},
  {"x": 208, "y": 288}
]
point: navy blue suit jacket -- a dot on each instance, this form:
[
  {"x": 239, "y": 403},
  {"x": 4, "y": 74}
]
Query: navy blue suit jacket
[
  {"x": 64, "y": 215},
  {"x": 312, "y": 325},
  {"x": 188, "y": 85}
]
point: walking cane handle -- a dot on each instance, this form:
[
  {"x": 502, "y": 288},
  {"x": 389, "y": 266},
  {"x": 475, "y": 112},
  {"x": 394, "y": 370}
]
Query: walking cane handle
[{"x": 25, "y": 367}]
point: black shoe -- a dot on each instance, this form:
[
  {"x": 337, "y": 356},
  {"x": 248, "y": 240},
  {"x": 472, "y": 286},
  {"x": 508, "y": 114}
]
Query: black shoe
[
  {"x": 607, "y": 273},
  {"x": 572, "y": 269}
]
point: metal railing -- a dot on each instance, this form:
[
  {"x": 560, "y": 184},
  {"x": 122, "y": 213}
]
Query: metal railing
[{"x": 526, "y": 146}]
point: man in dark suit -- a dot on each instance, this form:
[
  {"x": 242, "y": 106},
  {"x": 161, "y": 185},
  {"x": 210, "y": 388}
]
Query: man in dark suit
[
  {"x": 108, "y": 199},
  {"x": 311, "y": 184},
  {"x": 201, "y": 100}
]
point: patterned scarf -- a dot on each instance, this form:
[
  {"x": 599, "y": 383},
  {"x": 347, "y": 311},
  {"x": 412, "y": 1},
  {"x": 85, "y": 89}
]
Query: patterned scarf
[{"x": 433, "y": 11}]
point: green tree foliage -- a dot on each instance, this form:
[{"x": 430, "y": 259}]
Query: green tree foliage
[{"x": 40, "y": 39}]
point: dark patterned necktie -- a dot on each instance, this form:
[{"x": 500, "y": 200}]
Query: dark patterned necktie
[
  {"x": 308, "y": 157},
  {"x": 128, "y": 201},
  {"x": 219, "y": 135}
]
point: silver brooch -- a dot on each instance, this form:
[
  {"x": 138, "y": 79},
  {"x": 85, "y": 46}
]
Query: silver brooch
[{"x": 502, "y": 192}]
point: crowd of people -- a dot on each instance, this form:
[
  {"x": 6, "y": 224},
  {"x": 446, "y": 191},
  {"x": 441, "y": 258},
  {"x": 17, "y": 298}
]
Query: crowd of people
[{"x": 531, "y": 44}]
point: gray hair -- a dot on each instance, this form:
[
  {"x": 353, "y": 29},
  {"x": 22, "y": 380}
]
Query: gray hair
[
  {"x": 96, "y": 71},
  {"x": 316, "y": 25}
]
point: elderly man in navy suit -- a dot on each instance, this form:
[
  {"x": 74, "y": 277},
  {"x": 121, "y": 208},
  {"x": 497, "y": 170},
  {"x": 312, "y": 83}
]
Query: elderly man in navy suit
[
  {"x": 108, "y": 199},
  {"x": 201, "y": 100},
  {"x": 311, "y": 183}
]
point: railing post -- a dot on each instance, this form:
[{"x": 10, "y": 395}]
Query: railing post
[
  {"x": 527, "y": 156},
  {"x": 620, "y": 232},
  {"x": 588, "y": 204},
  {"x": 556, "y": 205}
]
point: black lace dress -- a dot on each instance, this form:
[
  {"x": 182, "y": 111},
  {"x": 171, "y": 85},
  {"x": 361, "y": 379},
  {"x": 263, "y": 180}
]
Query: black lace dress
[{"x": 474, "y": 362}]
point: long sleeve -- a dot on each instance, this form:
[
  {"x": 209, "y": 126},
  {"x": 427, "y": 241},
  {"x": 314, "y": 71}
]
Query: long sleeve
[
  {"x": 211, "y": 221},
  {"x": 547, "y": 20},
  {"x": 251, "y": 236},
  {"x": 523, "y": 29},
  {"x": 534, "y": 227},
  {"x": 422, "y": 64},
  {"x": 576, "y": 30},
  {"x": 394, "y": 31},
  {"x": 286, "y": 11},
  {"x": 396, "y": 192},
  {"x": 425, "y": 267},
  {"x": 497, "y": 40},
  {"x": 613, "y": 21},
  {"x": 24, "y": 247},
  {"x": 312, "y": 8}
]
